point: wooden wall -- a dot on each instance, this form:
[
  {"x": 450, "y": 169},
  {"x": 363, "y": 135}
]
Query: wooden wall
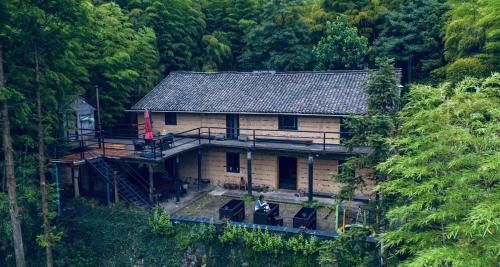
[
  {"x": 188, "y": 121},
  {"x": 265, "y": 170}
]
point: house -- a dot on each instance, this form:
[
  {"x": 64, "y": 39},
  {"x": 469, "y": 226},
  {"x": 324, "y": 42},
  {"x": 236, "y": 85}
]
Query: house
[
  {"x": 281, "y": 131},
  {"x": 82, "y": 121}
]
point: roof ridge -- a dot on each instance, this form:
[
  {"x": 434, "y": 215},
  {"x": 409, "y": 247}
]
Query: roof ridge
[{"x": 268, "y": 72}]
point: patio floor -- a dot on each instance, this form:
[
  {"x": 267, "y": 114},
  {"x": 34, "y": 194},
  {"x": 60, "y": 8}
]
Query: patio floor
[{"x": 208, "y": 206}]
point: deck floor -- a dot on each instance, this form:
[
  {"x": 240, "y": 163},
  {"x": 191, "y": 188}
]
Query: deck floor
[{"x": 123, "y": 148}]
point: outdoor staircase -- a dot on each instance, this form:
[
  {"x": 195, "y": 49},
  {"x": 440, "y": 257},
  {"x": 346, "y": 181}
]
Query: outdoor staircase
[{"x": 127, "y": 190}]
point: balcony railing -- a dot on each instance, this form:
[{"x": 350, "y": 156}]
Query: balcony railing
[{"x": 123, "y": 146}]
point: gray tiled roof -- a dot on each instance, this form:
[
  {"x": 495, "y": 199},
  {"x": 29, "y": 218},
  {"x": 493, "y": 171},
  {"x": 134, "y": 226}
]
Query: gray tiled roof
[{"x": 325, "y": 93}]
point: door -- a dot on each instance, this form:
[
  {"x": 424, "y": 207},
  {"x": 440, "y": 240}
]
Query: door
[
  {"x": 232, "y": 126},
  {"x": 287, "y": 173}
]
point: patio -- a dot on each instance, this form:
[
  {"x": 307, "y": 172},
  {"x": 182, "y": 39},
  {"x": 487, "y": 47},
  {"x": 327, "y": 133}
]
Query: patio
[{"x": 208, "y": 204}]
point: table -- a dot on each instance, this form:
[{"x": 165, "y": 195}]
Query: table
[
  {"x": 306, "y": 217},
  {"x": 233, "y": 210},
  {"x": 269, "y": 216}
]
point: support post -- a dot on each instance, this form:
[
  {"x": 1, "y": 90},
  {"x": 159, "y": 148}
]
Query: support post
[
  {"x": 108, "y": 193},
  {"x": 177, "y": 182},
  {"x": 98, "y": 106},
  {"x": 249, "y": 171},
  {"x": 58, "y": 192},
  {"x": 151, "y": 183},
  {"x": 199, "y": 168},
  {"x": 310, "y": 163},
  {"x": 116, "y": 190},
  {"x": 76, "y": 179}
]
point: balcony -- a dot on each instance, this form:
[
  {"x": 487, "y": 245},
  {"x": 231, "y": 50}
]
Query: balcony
[{"x": 88, "y": 144}]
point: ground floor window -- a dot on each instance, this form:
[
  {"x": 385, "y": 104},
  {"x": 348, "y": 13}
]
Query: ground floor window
[{"x": 232, "y": 162}]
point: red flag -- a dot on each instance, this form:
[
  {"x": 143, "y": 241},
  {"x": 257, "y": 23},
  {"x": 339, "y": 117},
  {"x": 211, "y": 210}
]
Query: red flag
[{"x": 147, "y": 126}]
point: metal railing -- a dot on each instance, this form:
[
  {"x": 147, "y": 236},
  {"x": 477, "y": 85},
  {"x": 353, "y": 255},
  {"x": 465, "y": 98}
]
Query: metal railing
[{"x": 121, "y": 146}]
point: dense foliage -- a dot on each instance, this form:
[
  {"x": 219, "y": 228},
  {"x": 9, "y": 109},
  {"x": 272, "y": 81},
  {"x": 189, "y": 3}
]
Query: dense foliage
[
  {"x": 440, "y": 186},
  {"x": 443, "y": 188}
]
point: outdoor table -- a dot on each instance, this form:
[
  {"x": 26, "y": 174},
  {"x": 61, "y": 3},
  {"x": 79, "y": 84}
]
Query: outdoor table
[
  {"x": 233, "y": 210},
  {"x": 306, "y": 217},
  {"x": 268, "y": 216}
]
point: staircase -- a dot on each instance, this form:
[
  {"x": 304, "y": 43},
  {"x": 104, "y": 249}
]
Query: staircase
[{"x": 127, "y": 190}]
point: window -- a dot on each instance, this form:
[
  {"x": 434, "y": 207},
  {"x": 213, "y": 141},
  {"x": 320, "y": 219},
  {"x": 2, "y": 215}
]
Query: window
[
  {"x": 287, "y": 122},
  {"x": 170, "y": 118},
  {"x": 232, "y": 162}
]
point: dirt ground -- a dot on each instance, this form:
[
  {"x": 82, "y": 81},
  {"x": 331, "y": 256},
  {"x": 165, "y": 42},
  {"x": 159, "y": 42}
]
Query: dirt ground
[{"x": 208, "y": 207}]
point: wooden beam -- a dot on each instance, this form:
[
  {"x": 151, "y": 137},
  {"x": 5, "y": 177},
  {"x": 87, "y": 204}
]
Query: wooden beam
[
  {"x": 151, "y": 182},
  {"x": 116, "y": 190},
  {"x": 76, "y": 179}
]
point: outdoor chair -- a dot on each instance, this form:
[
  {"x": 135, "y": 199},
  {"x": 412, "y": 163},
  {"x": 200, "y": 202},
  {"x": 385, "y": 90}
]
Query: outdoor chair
[
  {"x": 167, "y": 141},
  {"x": 139, "y": 145}
]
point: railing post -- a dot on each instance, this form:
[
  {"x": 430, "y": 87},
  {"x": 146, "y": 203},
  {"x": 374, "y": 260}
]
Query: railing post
[
  {"x": 209, "y": 136},
  {"x": 199, "y": 135},
  {"x": 324, "y": 141},
  {"x": 253, "y": 137},
  {"x": 103, "y": 145}
]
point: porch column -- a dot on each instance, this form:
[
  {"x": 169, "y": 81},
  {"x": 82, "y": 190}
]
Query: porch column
[
  {"x": 310, "y": 163},
  {"x": 151, "y": 182},
  {"x": 249, "y": 171},
  {"x": 177, "y": 182},
  {"x": 76, "y": 179},
  {"x": 115, "y": 182},
  {"x": 199, "y": 168}
]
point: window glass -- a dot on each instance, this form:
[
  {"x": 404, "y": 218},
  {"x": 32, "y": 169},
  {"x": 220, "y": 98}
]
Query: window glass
[
  {"x": 232, "y": 162},
  {"x": 170, "y": 118},
  {"x": 287, "y": 122}
]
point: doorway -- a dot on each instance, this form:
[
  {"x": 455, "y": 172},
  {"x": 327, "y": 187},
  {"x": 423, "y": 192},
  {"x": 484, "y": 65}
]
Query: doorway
[
  {"x": 287, "y": 173},
  {"x": 232, "y": 126}
]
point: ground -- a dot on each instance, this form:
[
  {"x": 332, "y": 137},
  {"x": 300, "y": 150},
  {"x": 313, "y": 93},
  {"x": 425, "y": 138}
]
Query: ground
[{"x": 208, "y": 206}]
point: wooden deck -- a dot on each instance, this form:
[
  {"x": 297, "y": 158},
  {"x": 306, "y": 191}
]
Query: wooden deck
[{"x": 124, "y": 149}]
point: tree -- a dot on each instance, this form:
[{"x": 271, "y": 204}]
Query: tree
[
  {"x": 121, "y": 60},
  {"x": 9, "y": 166},
  {"x": 341, "y": 47},
  {"x": 442, "y": 187},
  {"x": 371, "y": 129},
  {"x": 412, "y": 35},
  {"x": 179, "y": 27},
  {"x": 472, "y": 36},
  {"x": 281, "y": 40}
]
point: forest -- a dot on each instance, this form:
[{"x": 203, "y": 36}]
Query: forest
[{"x": 436, "y": 149}]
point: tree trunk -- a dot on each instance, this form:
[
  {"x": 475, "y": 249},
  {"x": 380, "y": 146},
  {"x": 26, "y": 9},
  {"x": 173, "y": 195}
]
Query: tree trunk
[
  {"x": 41, "y": 161},
  {"x": 11, "y": 180}
]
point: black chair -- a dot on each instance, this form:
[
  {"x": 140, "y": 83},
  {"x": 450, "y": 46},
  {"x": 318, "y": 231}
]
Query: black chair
[
  {"x": 167, "y": 141},
  {"x": 139, "y": 145}
]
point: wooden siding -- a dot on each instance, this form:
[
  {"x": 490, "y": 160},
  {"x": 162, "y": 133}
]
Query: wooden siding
[{"x": 188, "y": 121}]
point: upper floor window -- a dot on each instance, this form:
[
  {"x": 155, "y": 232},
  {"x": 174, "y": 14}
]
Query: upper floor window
[
  {"x": 170, "y": 118},
  {"x": 232, "y": 162},
  {"x": 287, "y": 122},
  {"x": 345, "y": 132}
]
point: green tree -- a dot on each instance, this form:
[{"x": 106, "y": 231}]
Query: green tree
[
  {"x": 472, "y": 36},
  {"x": 280, "y": 41},
  {"x": 442, "y": 188},
  {"x": 121, "y": 60},
  {"x": 341, "y": 47},
  {"x": 412, "y": 35},
  {"x": 372, "y": 129},
  {"x": 179, "y": 26}
]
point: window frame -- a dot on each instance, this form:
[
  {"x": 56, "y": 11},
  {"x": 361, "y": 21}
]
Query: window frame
[
  {"x": 168, "y": 120},
  {"x": 233, "y": 162},
  {"x": 282, "y": 119}
]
